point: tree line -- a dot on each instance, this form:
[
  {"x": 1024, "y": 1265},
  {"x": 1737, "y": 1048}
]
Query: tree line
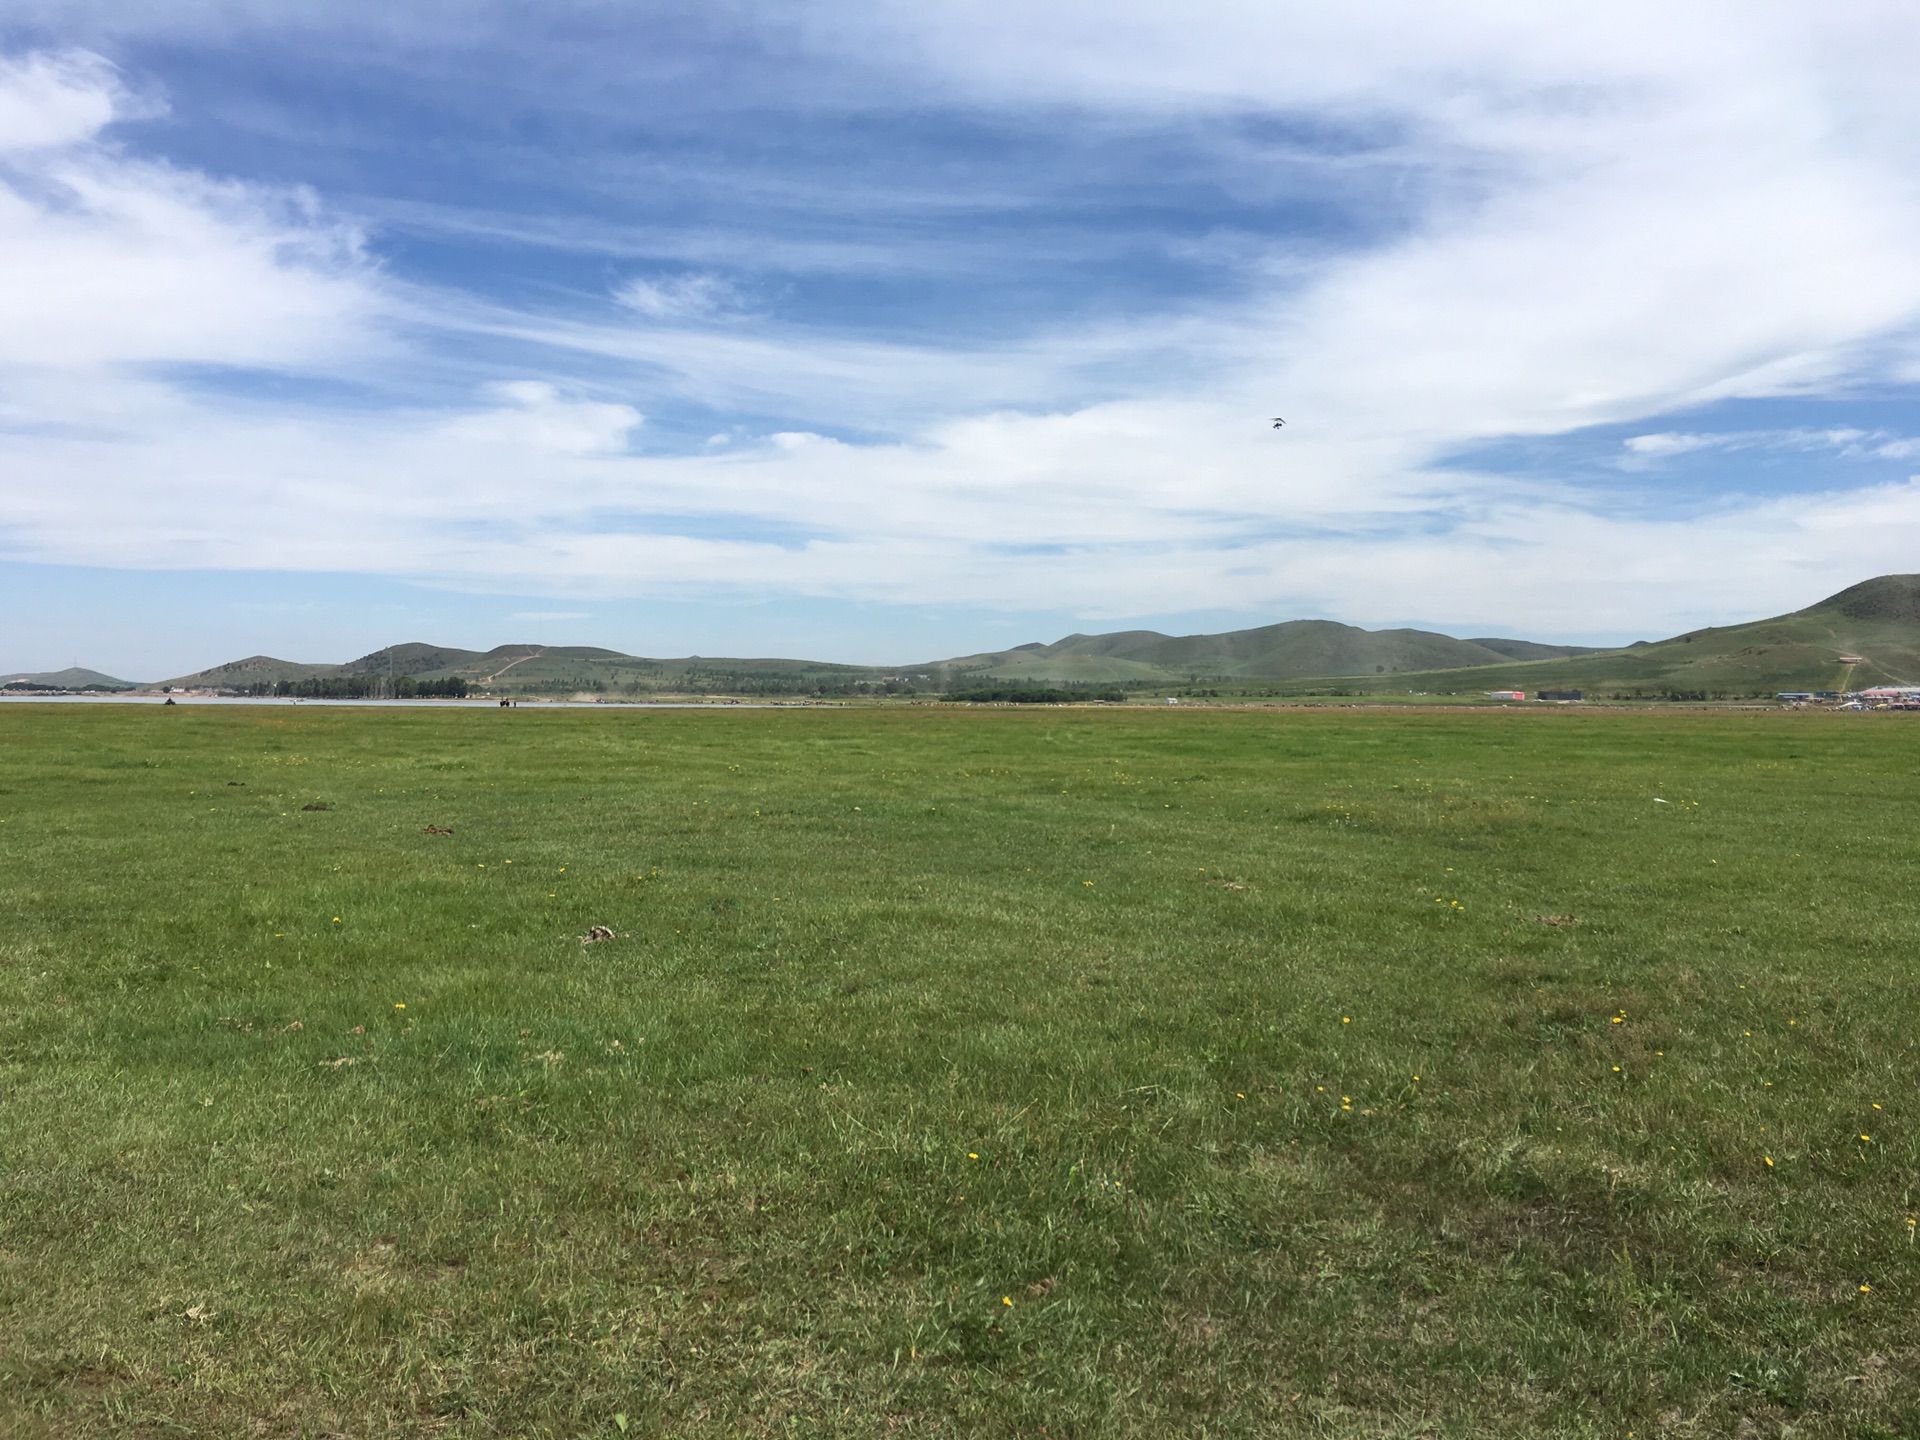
[{"x": 361, "y": 687}]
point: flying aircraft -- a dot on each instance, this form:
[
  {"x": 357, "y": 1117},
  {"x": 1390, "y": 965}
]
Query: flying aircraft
[{"x": 1278, "y": 422}]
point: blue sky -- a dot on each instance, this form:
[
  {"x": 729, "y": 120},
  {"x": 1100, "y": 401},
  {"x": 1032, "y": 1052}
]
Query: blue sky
[{"x": 876, "y": 331}]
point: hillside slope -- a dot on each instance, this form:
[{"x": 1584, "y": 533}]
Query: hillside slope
[
  {"x": 1877, "y": 620},
  {"x": 539, "y": 670},
  {"x": 74, "y": 677},
  {"x": 253, "y": 670},
  {"x": 1289, "y": 650}
]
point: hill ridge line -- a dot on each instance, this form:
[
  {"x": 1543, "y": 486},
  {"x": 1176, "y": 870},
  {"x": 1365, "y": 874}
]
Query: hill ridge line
[{"x": 1877, "y": 619}]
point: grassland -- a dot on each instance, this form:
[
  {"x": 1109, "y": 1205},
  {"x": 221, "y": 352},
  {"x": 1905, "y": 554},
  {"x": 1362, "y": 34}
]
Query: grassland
[{"x": 1074, "y": 1073}]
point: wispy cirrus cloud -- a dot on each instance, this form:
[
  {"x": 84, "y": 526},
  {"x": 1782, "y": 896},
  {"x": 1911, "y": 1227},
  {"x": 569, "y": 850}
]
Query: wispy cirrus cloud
[
  {"x": 1847, "y": 442},
  {"x": 693, "y": 296}
]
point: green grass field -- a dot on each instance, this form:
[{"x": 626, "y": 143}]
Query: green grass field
[{"x": 1071, "y": 1073}]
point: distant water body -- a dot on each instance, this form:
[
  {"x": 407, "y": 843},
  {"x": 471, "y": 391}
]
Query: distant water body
[{"x": 399, "y": 704}]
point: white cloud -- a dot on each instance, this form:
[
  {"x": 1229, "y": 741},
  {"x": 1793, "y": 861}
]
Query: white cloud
[
  {"x": 50, "y": 100},
  {"x": 1669, "y": 443},
  {"x": 1126, "y": 533},
  {"x": 114, "y": 261},
  {"x": 1848, "y": 442},
  {"x": 679, "y": 297},
  {"x": 536, "y": 420}
]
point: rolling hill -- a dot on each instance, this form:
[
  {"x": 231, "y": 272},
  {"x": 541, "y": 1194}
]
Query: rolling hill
[
  {"x": 1878, "y": 620},
  {"x": 537, "y": 670},
  {"x": 74, "y": 677},
  {"x": 254, "y": 670},
  {"x": 1290, "y": 650}
]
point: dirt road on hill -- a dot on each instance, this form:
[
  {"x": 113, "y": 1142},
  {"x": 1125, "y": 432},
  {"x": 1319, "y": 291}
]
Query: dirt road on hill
[{"x": 510, "y": 664}]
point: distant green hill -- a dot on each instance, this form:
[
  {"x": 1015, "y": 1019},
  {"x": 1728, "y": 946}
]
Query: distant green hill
[
  {"x": 1290, "y": 650},
  {"x": 74, "y": 677},
  {"x": 411, "y": 659},
  {"x": 254, "y": 670},
  {"x": 1877, "y": 620},
  {"x": 424, "y": 661},
  {"x": 542, "y": 670}
]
